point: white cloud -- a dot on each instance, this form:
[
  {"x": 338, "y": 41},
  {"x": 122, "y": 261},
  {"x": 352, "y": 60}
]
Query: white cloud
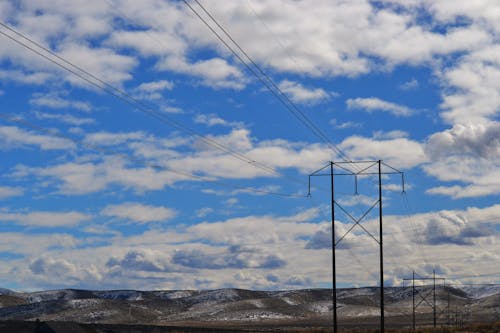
[
  {"x": 153, "y": 90},
  {"x": 238, "y": 257},
  {"x": 65, "y": 118},
  {"x": 68, "y": 272},
  {"x": 141, "y": 260},
  {"x": 398, "y": 152},
  {"x": 7, "y": 192},
  {"x": 110, "y": 67},
  {"x": 376, "y": 104},
  {"x": 214, "y": 120},
  {"x": 112, "y": 139},
  {"x": 13, "y": 137},
  {"x": 482, "y": 140},
  {"x": 300, "y": 94},
  {"x": 27, "y": 244},
  {"x": 216, "y": 72},
  {"x": 46, "y": 219},
  {"x": 324, "y": 40},
  {"x": 276, "y": 251},
  {"x": 149, "y": 42},
  {"x": 465, "y": 154},
  {"x": 256, "y": 229},
  {"x": 409, "y": 85},
  {"x": 345, "y": 125},
  {"x": 476, "y": 176},
  {"x": 474, "y": 89},
  {"x": 88, "y": 177},
  {"x": 155, "y": 86},
  {"x": 56, "y": 102},
  {"x": 24, "y": 76},
  {"x": 482, "y": 12},
  {"x": 139, "y": 213},
  {"x": 396, "y": 134},
  {"x": 231, "y": 202},
  {"x": 202, "y": 212}
]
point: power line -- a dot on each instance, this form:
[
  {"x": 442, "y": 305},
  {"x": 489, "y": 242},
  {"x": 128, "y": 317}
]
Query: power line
[
  {"x": 127, "y": 98},
  {"x": 419, "y": 238},
  {"x": 142, "y": 161},
  {"x": 495, "y": 274},
  {"x": 291, "y": 57},
  {"x": 266, "y": 80}
]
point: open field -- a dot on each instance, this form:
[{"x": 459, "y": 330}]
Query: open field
[{"x": 56, "y": 327}]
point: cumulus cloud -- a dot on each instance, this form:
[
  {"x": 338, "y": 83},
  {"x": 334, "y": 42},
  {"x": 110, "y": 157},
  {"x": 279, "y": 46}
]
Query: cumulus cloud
[
  {"x": 46, "y": 219},
  {"x": 44, "y": 267},
  {"x": 298, "y": 280},
  {"x": 54, "y": 101},
  {"x": 139, "y": 260},
  {"x": 300, "y": 94},
  {"x": 449, "y": 227},
  {"x": 112, "y": 139},
  {"x": 26, "y": 77},
  {"x": 344, "y": 239},
  {"x": 401, "y": 152},
  {"x": 475, "y": 178},
  {"x": 234, "y": 257},
  {"x": 396, "y": 134},
  {"x": 474, "y": 91},
  {"x": 214, "y": 120},
  {"x": 110, "y": 66},
  {"x": 324, "y": 40},
  {"x": 156, "y": 86},
  {"x": 15, "y": 137},
  {"x": 153, "y": 90},
  {"x": 65, "y": 118},
  {"x": 319, "y": 39},
  {"x": 8, "y": 191},
  {"x": 27, "y": 244},
  {"x": 345, "y": 125},
  {"x": 465, "y": 154},
  {"x": 481, "y": 140},
  {"x": 257, "y": 229},
  {"x": 138, "y": 212},
  {"x": 376, "y": 104},
  {"x": 276, "y": 258},
  {"x": 409, "y": 85},
  {"x": 88, "y": 177},
  {"x": 216, "y": 72},
  {"x": 202, "y": 212}
]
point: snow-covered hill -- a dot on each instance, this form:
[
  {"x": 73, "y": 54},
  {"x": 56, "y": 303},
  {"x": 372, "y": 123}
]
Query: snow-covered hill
[{"x": 241, "y": 307}]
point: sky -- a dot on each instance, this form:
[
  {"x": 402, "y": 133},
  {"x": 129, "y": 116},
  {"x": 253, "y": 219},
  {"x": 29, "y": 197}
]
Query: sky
[{"x": 143, "y": 149}]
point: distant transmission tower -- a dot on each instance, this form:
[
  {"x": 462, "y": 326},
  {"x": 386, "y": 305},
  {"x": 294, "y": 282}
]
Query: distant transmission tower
[
  {"x": 356, "y": 170},
  {"x": 423, "y": 295}
]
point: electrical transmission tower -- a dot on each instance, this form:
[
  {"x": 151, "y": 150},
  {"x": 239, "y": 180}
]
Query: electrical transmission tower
[
  {"x": 356, "y": 170},
  {"x": 424, "y": 295}
]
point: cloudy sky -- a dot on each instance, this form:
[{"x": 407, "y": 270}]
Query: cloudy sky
[{"x": 143, "y": 149}]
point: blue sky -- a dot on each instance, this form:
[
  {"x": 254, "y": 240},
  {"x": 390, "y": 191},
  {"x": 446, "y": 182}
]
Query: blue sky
[{"x": 199, "y": 178}]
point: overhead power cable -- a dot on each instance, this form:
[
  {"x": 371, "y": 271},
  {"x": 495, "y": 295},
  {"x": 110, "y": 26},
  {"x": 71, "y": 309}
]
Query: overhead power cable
[
  {"x": 95, "y": 81},
  {"x": 276, "y": 38},
  {"x": 256, "y": 70},
  {"x": 146, "y": 163}
]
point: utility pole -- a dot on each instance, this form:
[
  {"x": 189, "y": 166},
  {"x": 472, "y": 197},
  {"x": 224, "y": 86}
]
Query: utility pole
[
  {"x": 413, "y": 297},
  {"x": 449, "y": 314},
  {"x": 381, "y": 247},
  {"x": 334, "y": 273},
  {"x": 434, "y": 295},
  {"x": 355, "y": 169}
]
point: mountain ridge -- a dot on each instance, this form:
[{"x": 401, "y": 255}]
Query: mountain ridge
[{"x": 241, "y": 307}]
